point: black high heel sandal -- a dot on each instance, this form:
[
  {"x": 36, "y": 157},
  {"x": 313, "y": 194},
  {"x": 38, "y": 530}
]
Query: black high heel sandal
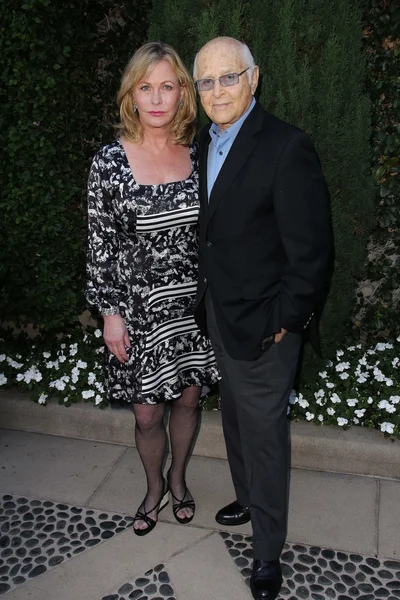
[
  {"x": 179, "y": 504},
  {"x": 143, "y": 515}
]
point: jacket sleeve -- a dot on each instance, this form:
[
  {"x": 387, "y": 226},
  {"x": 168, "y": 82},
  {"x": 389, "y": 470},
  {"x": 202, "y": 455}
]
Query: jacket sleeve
[
  {"x": 103, "y": 243},
  {"x": 302, "y": 209}
]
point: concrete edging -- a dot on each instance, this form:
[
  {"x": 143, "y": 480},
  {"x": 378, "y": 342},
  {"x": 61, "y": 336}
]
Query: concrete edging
[{"x": 322, "y": 448}]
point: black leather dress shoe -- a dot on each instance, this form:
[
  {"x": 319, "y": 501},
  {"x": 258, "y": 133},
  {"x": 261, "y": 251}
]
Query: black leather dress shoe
[
  {"x": 233, "y": 514},
  {"x": 266, "y": 579}
]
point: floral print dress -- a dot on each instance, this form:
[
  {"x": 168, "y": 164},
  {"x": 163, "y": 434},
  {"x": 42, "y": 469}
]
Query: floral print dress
[{"x": 142, "y": 263}]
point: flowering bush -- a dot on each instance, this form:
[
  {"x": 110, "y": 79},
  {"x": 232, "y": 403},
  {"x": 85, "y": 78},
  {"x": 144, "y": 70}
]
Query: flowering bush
[
  {"x": 361, "y": 387},
  {"x": 70, "y": 368}
]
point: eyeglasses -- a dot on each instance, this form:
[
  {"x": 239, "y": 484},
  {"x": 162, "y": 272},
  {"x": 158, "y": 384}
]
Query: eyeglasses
[{"x": 205, "y": 85}]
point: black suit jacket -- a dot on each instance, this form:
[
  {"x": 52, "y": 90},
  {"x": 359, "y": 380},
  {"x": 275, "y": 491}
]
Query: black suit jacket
[{"x": 265, "y": 236}]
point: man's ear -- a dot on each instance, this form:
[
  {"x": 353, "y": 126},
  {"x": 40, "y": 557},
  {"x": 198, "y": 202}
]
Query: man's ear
[{"x": 254, "y": 79}]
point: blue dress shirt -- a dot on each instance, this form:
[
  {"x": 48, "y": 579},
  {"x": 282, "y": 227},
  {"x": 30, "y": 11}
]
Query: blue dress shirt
[{"x": 221, "y": 143}]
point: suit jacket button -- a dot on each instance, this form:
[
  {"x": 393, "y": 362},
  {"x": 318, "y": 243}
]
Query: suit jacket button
[{"x": 205, "y": 279}]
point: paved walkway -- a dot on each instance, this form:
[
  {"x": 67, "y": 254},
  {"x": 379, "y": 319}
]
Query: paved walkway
[{"x": 66, "y": 510}]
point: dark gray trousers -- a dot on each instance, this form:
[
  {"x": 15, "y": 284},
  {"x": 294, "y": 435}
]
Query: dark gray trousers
[{"x": 254, "y": 400}]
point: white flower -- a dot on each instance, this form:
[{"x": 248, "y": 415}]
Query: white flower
[
  {"x": 387, "y": 427},
  {"x": 32, "y": 374},
  {"x": 371, "y": 352},
  {"x": 3, "y": 379},
  {"x": 394, "y": 399},
  {"x": 97, "y": 333},
  {"x": 97, "y": 399},
  {"x": 62, "y": 358},
  {"x": 351, "y": 348},
  {"x": 91, "y": 378},
  {"x": 379, "y": 376},
  {"x": 329, "y": 363},
  {"x": 395, "y": 361},
  {"x": 342, "y": 366},
  {"x": 73, "y": 349},
  {"x": 59, "y": 384},
  {"x": 341, "y": 421},
  {"x": 323, "y": 374},
  {"x": 320, "y": 418},
  {"x": 344, "y": 375},
  {"x": 319, "y": 394},
  {"x": 100, "y": 350},
  {"x": 339, "y": 353},
  {"x": 19, "y": 377},
  {"x": 381, "y": 347},
  {"x": 360, "y": 412},
  {"x": 385, "y": 405},
  {"x": 74, "y": 378},
  {"x": 335, "y": 398},
  {"x": 52, "y": 364},
  {"x": 331, "y": 411},
  {"x": 66, "y": 398},
  {"x": 352, "y": 401},
  {"x": 363, "y": 361},
  {"x": 2, "y": 357},
  {"x": 13, "y": 363},
  {"x": 86, "y": 394},
  {"x": 370, "y": 400},
  {"x": 46, "y": 355},
  {"x": 42, "y": 398},
  {"x": 81, "y": 364},
  {"x": 303, "y": 402},
  {"x": 355, "y": 421},
  {"x": 389, "y": 382},
  {"x": 309, "y": 416},
  {"x": 99, "y": 386},
  {"x": 330, "y": 385},
  {"x": 362, "y": 379},
  {"x": 62, "y": 346},
  {"x": 293, "y": 397}
]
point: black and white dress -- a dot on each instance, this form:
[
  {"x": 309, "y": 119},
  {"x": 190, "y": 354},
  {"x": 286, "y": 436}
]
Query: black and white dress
[{"x": 142, "y": 263}]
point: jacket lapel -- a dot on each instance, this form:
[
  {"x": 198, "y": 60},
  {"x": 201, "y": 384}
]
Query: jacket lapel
[
  {"x": 203, "y": 154},
  {"x": 241, "y": 149}
]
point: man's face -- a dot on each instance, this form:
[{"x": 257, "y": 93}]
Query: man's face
[{"x": 225, "y": 105}]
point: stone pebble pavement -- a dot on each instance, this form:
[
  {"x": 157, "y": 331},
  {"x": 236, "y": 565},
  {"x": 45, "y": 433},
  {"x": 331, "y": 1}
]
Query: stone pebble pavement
[{"x": 36, "y": 536}]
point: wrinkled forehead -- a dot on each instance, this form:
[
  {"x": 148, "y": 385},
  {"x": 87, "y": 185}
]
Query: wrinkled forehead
[{"x": 217, "y": 59}]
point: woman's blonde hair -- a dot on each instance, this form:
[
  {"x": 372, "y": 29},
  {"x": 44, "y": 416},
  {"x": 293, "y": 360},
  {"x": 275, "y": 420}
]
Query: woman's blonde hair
[{"x": 146, "y": 57}]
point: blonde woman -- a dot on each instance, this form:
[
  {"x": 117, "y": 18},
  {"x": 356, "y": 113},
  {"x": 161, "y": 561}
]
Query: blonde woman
[{"x": 142, "y": 267}]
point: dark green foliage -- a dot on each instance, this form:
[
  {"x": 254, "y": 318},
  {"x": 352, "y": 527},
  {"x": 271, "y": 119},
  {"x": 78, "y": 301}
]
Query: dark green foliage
[
  {"x": 54, "y": 86},
  {"x": 379, "y": 309},
  {"x": 312, "y": 75}
]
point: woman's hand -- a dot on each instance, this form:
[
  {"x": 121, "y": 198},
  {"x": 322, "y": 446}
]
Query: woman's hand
[{"x": 116, "y": 336}]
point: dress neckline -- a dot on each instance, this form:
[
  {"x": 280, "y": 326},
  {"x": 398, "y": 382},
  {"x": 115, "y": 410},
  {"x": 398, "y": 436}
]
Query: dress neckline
[{"x": 158, "y": 185}]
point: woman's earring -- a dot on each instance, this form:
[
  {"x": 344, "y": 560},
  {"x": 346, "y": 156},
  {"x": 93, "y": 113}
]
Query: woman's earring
[
  {"x": 180, "y": 103},
  {"x": 134, "y": 107}
]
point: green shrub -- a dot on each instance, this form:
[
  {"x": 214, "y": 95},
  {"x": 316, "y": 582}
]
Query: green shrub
[
  {"x": 60, "y": 68},
  {"x": 378, "y": 312}
]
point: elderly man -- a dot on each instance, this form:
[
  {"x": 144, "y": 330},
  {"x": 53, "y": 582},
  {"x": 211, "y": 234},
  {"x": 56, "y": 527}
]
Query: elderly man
[{"x": 265, "y": 253}]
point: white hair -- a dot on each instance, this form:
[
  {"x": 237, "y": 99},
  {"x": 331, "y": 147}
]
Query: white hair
[{"x": 244, "y": 52}]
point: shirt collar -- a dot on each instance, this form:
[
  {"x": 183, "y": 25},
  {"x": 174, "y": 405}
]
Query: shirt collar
[{"x": 233, "y": 130}]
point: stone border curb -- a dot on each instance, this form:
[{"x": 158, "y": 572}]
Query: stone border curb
[{"x": 357, "y": 451}]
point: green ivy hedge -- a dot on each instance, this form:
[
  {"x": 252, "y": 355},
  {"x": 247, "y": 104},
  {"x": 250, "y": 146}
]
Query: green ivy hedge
[
  {"x": 378, "y": 312},
  {"x": 56, "y": 86}
]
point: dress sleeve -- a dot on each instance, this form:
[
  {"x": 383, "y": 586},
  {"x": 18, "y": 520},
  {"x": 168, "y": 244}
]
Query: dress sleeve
[{"x": 103, "y": 243}]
